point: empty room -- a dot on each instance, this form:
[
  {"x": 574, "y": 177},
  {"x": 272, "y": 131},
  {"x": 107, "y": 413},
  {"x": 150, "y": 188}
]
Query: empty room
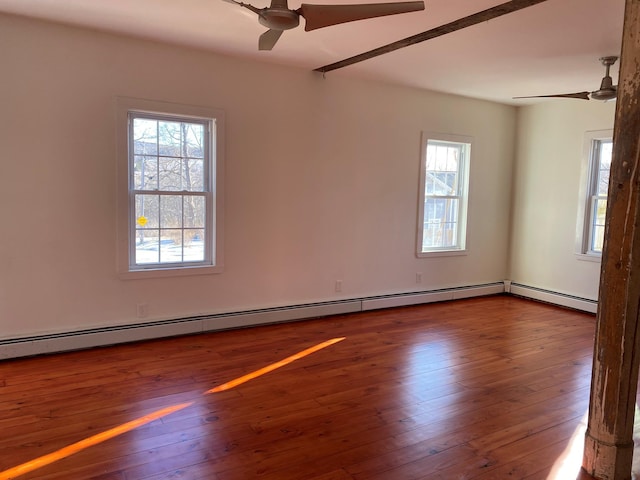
[{"x": 319, "y": 242}]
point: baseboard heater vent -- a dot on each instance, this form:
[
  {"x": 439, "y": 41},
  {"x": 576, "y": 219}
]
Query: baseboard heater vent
[
  {"x": 96, "y": 337},
  {"x": 388, "y": 301},
  {"x": 562, "y": 299}
]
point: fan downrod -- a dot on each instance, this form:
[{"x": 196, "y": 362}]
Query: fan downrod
[{"x": 607, "y": 90}]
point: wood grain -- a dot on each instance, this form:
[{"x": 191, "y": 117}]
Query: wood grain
[
  {"x": 485, "y": 388},
  {"x": 609, "y": 443}
]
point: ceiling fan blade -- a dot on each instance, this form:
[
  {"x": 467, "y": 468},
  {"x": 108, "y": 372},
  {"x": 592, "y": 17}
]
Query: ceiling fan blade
[
  {"x": 268, "y": 39},
  {"x": 578, "y": 95},
  {"x": 319, "y": 16},
  {"x": 245, "y": 5}
]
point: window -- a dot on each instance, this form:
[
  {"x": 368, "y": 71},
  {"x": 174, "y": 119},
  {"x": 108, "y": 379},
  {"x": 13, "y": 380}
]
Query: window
[
  {"x": 444, "y": 180},
  {"x": 169, "y": 187},
  {"x": 598, "y": 154}
]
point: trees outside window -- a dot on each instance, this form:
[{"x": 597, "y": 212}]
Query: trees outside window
[{"x": 170, "y": 189}]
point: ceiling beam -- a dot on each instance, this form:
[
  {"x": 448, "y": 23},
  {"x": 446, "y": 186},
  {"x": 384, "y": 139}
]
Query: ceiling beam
[{"x": 459, "y": 24}]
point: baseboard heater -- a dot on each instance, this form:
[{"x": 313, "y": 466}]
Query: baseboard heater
[
  {"x": 76, "y": 340},
  {"x": 562, "y": 299}
]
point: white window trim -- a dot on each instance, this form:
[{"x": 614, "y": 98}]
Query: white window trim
[
  {"x": 123, "y": 106},
  {"x": 583, "y": 225},
  {"x": 462, "y": 214}
]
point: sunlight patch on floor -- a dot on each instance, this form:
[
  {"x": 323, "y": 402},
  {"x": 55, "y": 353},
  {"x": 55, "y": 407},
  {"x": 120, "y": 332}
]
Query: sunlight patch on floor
[
  {"x": 635, "y": 467},
  {"x": 567, "y": 466}
]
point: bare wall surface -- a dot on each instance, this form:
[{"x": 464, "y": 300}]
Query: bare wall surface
[
  {"x": 321, "y": 182},
  {"x": 547, "y": 181}
]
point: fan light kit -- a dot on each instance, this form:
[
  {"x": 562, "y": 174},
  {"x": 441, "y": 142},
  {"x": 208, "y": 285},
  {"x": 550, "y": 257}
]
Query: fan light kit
[
  {"x": 607, "y": 90},
  {"x": 279, "y": 17}
]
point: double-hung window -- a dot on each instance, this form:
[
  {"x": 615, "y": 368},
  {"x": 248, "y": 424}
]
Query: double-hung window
[
  {"x": 173, "y": 169},
  {"x": 599, "y": 154},
  {"x": 444, "y": 182}
]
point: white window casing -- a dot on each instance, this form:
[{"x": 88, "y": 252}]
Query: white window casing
[
  {"x": 443, "y": 194},
  {"x": 169, "y": 188},
  {"x": 594, "y": 183}
]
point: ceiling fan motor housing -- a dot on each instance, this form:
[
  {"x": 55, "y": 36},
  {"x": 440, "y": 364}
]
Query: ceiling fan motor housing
[
  {"x": 279, "y": 18},
  {"x": 605, "y": 93}
]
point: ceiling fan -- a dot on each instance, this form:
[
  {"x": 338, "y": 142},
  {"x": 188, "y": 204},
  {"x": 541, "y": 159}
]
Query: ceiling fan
[
  {"x": 607, "y": 90},
  {"x": 279, "y": 17}
]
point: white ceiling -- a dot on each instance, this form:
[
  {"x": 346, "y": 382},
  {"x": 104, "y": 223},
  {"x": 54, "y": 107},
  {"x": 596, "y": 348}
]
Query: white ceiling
[{"x": 552, "y": 47}]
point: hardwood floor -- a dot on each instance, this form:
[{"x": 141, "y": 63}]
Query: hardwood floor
[{"x": 486, "y": 388}]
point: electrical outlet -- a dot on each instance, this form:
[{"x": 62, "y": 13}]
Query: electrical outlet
[
  {"x": 338, "y": 285},
  {"x": 142, "y": 310},
  {"x": 418, "y": 277}
]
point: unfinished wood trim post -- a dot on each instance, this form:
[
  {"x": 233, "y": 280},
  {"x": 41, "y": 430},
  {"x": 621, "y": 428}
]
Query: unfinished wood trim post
[{"x": 608, "y": 449}]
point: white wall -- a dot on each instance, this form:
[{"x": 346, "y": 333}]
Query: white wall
[
  {"x": 321, "y": 181},
  {"x": 547, "y": 179}
]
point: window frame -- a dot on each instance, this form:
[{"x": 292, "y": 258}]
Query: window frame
[
  {"x": 460, "y": 247},
  {"x": 126, "y": 110},
  {"x": 588, "y": 192}
]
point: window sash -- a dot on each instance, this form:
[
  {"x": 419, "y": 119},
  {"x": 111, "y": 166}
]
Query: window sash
[
  {"x": 186, "y": 231},
  {"x": 597, "y": 213},
  {"x": 441, "y": 218}
]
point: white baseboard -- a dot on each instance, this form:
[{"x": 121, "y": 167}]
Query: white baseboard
[
  {"x": 433, "y": 296},
  {"x": 42, "y": 344},
  {"x": 561, "y": 299}
]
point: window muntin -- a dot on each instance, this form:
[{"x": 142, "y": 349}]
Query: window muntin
[
  {"x": 170, "y": 190},
  {"x": 601, "y": 154},
  {"x": 443, "y": 194}
]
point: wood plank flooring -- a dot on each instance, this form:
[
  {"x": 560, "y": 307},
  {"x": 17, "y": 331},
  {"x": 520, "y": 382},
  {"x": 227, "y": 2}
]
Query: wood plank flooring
[{"x": 486, "y": 388}]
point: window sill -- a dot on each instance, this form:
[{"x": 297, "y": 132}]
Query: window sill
[
  {"x": 170, "y": 272},
  {"x": 589, "y": 257},
  {"x": 441, "y": 253}
]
